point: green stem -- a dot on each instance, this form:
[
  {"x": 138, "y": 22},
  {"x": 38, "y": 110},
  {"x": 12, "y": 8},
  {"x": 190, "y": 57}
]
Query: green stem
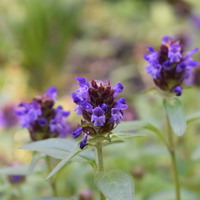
[
  {"x": 173, "y": 160},
  {"x": 99, "y": 162},
  {"x": 53, "y": 185},
  {"x": 175, "y": 171}
]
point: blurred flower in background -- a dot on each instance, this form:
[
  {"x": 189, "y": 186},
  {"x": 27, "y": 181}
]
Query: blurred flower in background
[
  {"x": 16, "y": 179},
  {"x": 42, "y": 119},
  {"x": 169, "y": 67}
]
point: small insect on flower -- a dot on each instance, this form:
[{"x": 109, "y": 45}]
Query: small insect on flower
[
  {"x": 41, "y": 117},
  {"x": 101, "y": 111},
  {"x": 170, "y": 67}
]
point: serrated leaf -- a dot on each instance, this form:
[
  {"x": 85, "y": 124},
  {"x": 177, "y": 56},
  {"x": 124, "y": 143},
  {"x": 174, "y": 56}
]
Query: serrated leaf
[
  {"x": 115, "y": 185},
  {"x": 63, "y": 162},
  {"x": 58, "y": 148},
  {"x": 176, "y": 116},
  {"x": 15, "y": 170}
]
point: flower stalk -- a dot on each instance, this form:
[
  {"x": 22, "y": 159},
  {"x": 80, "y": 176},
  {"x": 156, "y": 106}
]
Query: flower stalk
[
  {"x": 99, "y": 156},
  {"x": 53, "y": 185},
  {"x": 173, "y": 160}
]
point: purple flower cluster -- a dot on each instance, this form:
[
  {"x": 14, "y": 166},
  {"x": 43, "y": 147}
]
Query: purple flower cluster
[
  {"x": 42, "y": 119},
  {"x": 169, "y": 67},
  {"x": 99, "y": 107}
]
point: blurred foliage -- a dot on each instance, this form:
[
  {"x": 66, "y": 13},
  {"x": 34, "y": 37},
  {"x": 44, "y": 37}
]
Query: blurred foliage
[{"x": 42, "y": 33}]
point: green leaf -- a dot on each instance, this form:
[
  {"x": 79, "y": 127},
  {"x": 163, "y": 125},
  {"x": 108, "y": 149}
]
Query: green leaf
[
  {"x": 129, "y": 126},
  {"x": 176, "y": 116},
  {"x": 35, "y": 159},
  {"x": 58, "y": 148},
  {"x": 15, "y": 170},
  {"x": 115, "y": 185},
  {"x": 63, "y": 162},
  {"x": 129, "y": 134}
]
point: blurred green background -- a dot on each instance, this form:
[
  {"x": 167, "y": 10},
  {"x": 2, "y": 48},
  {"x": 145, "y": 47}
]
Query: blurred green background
[{"x": 50, "y": 42}]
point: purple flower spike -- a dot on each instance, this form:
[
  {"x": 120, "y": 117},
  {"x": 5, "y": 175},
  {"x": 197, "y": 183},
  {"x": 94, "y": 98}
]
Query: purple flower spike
[
  {"x": 178, "y": 90},
  {"x": 42, "y": 119},
  {"x": 97, "y": 103},
  {"x": 77, "y": 132},
  {"x": 84, "y": 141},
  {"x": 98, "y": 117},
  {"x": 169, "y": 66}
]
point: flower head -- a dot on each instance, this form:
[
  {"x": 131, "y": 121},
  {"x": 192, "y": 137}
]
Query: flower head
[
  {"x": 170, "y": 67},
  {"x": 97, "y": 103},
  {"x": 42, "y": 118}
]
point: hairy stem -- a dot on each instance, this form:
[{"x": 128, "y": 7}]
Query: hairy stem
[
  {"x": 99, "y": 162},
  {"x": 53, "y": 185}
]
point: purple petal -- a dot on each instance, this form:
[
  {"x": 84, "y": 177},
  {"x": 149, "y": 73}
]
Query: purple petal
[
  {"x": 98, "y": 117},
  {"x": 84, "y": 141},
  {"x": 77, "y": 132},
  {"x": 193, "y": 51},
  {"x": 118, "y": 88},
  {"x": 178, "y": 90},
  {"x": 166, "y": 39},
  {"x": 121, "y": 104},
  {"x": 86, "y": 106},
  {"x": 42, "y": 121},
  {"x": 51, "y": 93},
  {"x": 150, "y": 49},
  {"x": 116, "y": 116},
  {"x": 82, "y": 82}
]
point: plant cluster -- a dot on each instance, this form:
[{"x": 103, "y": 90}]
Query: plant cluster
[{"x": 102, "y": 113}]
